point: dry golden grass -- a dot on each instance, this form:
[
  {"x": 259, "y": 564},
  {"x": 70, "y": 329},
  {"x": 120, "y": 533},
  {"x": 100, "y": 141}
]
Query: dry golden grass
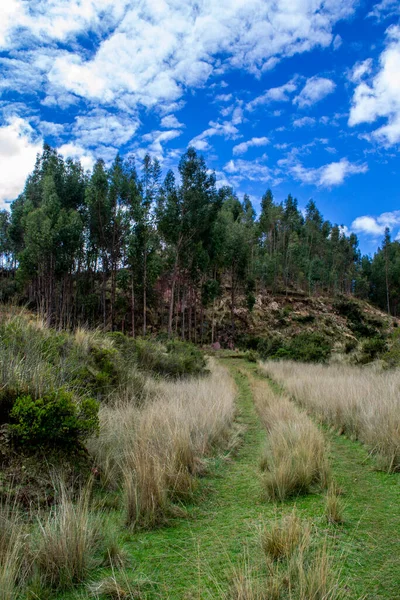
[
  {"x": 360, "y": 402},
  {"x": 13, "y": 568},
  {"x": 295, "y": 454},
  {"x": 66, "y": 541},
  {"x": 282, "y": 536},
  {"x": 156, "y": 450},
  {"x": 334, "y": 506}
]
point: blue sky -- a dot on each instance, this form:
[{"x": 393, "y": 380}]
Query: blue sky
[{"x": 300, "y": 96}]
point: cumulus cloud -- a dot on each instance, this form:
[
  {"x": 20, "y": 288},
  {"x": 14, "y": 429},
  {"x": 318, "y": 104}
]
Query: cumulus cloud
[
  {"x": 255, "y": 170},
  {"x": 244, "y": 146},
  {"x": 171, "y": 122},
  {"x": 315, "y": 89},
  {"x": 102, "y": 127},
  {"x": 226, "y": 129},
  {"x": 19, "y": 145},
  {"x": 152, "y": 50},
  {"x": 384, "y": 9},
  {"x": 156, "y": 139},
  {"x": 276, "y": 94},
  {"x": 380, "y": 96},
  {"x": 375, "y": 226},
  {"x": 328, "y": 175},
  {"x": 304, "y": 122},
  {"x": 77, "y": 152}
]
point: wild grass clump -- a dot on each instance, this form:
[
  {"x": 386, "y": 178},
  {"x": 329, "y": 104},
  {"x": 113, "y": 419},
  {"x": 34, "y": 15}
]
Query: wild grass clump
[
  {"x": 186, "y": 421},
  {"x": 334, "y": 506},
  {"x": 154, "y": 451},
  {"x": 13, "y": 541},
  {"x": 294, "y": 459},
  {"x": 282, "y": 536},
  {"x": 65, "y": 542},
  {"x": 362, "y": 403}
]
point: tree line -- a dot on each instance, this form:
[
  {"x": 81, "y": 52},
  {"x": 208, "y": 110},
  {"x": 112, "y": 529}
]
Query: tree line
[{"x": 124, "y": 248}]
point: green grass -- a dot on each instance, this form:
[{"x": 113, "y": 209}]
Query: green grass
[{"x": 194, "y": 557}]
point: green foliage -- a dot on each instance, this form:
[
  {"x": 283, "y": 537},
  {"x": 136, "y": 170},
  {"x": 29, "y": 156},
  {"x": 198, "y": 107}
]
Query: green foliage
[
  {"x": 305, "y": 347},
  {"x": 55, "y": 420},
  {"x": 175, "y": 359},
  {"x": 373, "y": 348},
  {"x": 358, "y": 323},
  {"x": 350, "y": 345},
  {"x": 305, "y": 319}
]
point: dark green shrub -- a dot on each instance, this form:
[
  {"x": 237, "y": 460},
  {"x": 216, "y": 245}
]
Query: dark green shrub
[
  {"x": 350, "y": 345},
  {"x": 267, "y": 347},
  {"x": 250, "y": 301},
  {"x": 53, "y": 420},
  {"x": 305, "y": 319},
  {"x": 175, "y": 359},
  {"x": 306, "y": 347},
  {"x": 373, "y": 348},
  {"x": 252, "y": 356}
]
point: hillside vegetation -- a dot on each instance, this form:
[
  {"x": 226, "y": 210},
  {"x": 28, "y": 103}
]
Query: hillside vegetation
[{"x": 126, "y": 249}]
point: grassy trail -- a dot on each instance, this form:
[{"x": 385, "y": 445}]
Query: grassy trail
[
  {"x": 194, "y": 557},
  {"x": 368, "y": 544}
]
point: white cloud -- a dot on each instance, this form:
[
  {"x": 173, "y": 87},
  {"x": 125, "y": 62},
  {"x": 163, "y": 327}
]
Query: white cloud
[
  {"x": 315, "y": 89},
  {"x": 223, "y": 97},
  {"x": 304, "y": 122},
  {"x": 156, "y": 139},
  {"x": 360, "y": 69},
  {"x": 380, "y": 97},
  {"x": 277, "y": 94},
  {"x": 77, "y": 152},
  {"x": 102, "y": 127},
  {"x": 241, "y": 169},
  {"x": 384, "y": 9},
  {"x": 337, "y": 42},
  {"x": 171, "y": 122},
  {"x": 150, "y": 51},
  {"x": 255, "y": 141},
  {"x": 375, "y": 226},
  {"x": 18, "y": 148},
  {"x": 226, "y": 129},
  {"x": 328, "y": 175},
  {"x": 11, "y": 11}
]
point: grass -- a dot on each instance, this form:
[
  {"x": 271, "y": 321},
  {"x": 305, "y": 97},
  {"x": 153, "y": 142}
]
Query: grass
[
  {"x": 215, "y": 550},
  {"x": 362, "y": 403},
  {"x": 294, "y": 458}
]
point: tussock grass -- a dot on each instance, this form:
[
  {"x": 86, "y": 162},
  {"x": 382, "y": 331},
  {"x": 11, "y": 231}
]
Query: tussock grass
[
  {"x": 66, "y": 541},
  {"x": 334, "y": 506},
  {"x": 13, "y": 566},
  {"x": 282, "y": 536},
  {"x": 156, "y": 450},
  {"x": 295, "y": 455},
  {"x": 362, "y": 403}
]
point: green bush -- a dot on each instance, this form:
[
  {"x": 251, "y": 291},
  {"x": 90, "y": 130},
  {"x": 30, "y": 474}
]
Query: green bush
[
  {"x": 306, "y": 347},
  {"x": 175, "y": 359},
  {"x": 56, "y": 419},
  {"x": 372, "y": 349},
  {"x": 350, "y": 345},
  {"x": 252, "y": 356}
]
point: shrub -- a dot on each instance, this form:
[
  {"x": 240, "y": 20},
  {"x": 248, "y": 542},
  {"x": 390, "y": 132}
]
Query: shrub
[
  {"x": 53, "y": 420},
  {"x": 372, "y": 348},
  {"x": 176, "y": 359},
  {"x": 307, "y": 347},
  {"x": 350, "y": 345}
]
